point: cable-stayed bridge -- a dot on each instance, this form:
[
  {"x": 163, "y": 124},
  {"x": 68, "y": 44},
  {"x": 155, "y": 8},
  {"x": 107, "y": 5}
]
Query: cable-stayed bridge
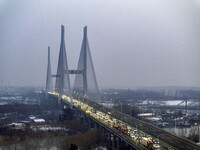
[
  {"x": 85, "y": 80},
  {"x": 84, "y": 96}
]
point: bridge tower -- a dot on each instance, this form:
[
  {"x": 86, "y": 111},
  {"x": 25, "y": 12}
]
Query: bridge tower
[
  {"x": 62, "y": 84},
  {"x": 49, "y": 85},
  {"x": 85, "y": 83}
]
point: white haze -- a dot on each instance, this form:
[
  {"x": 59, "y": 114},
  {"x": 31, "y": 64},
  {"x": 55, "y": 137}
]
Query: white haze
[{"x": 133, "y": 42}]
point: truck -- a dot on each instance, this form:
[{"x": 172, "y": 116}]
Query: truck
[
  {"x": 147, "y": 142},
  {"x": 121, "y": 127},
  {"x": 124, "y": 129}
]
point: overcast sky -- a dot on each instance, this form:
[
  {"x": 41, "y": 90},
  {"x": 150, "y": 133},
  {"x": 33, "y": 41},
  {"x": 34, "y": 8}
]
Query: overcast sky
[{"x": 133, "y": 42}]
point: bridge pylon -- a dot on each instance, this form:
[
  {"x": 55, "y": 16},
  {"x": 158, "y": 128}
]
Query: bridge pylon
[
  {"x": 85, "y": 83},
  {"x": 62, "y": 84},
  {"x": 49, "y": 83}
]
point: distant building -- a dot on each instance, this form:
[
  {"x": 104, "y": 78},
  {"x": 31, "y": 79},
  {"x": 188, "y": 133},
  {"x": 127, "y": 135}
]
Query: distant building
[
  {"x": 145, "y": 115},
  {"x": 37, "y": 121},
  {"x": 31, "y": 117},
  {"x": 17, "y": 125}
]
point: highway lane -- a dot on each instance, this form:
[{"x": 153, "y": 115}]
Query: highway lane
[
  {"x": 116, "y": 132},
  {"x": 166, "y": 140},
  {"x": 107, "y": 113}
]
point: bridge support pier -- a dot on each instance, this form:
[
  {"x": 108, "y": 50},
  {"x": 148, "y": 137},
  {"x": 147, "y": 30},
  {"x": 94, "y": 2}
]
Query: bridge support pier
[
  {"x": 102, "y": 129},
  {"x": 83, "y": 118},
  {"x": 95, "y": 125},
  {"x": 108, "y": 135},
  {"x": 118, "y": 140},
  {"x": 113, "y": 141},
  {"x": 104, "y": 133},
  {"x": 59, "y": 103},
  {"x": 89, "y": 122},
  {"x": 77, "y": 115}
]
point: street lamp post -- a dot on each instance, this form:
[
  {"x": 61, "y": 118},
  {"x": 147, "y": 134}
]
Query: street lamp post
[
  {"x": 121, "y": 106},
  {"x": 175, "y": 122},
  {"x": 121, "y": 115},
  {"x": 136, "y": 127},
  {"x": 199, "y": 133}
]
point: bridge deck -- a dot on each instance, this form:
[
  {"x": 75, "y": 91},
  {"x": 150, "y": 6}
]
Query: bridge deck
[{"x": 167, "y": 139}]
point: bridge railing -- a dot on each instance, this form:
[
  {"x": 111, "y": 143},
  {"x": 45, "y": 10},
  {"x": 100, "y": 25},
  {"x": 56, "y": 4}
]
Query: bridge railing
[{"x": 141, "y": 125}]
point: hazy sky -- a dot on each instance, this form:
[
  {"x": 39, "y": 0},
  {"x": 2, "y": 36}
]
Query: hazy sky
[{"x": 133, "y": 42}]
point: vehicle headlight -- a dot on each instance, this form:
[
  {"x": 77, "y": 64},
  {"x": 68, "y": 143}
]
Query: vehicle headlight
[{"x": 157, "y": 146}]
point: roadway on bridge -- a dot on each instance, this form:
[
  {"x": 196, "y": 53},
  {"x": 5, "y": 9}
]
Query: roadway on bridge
[{"x": 166, "y": 139}]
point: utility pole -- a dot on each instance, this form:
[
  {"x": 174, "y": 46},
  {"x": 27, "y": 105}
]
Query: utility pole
[{"x": 199, "y": 133}]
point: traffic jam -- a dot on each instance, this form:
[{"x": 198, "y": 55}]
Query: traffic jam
[{"x": 139, "y": 137}]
